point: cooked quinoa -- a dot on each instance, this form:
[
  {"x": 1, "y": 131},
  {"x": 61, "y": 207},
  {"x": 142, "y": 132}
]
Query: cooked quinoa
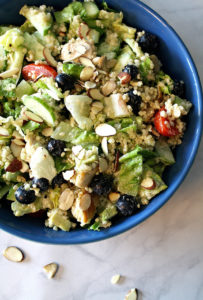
[{"x": 88, "y": 117}]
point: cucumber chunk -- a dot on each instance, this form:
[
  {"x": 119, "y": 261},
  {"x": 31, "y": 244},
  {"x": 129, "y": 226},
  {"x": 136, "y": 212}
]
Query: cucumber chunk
[
  {"x": 91, "y": 9},
  {"x": 40, "y": 108}
]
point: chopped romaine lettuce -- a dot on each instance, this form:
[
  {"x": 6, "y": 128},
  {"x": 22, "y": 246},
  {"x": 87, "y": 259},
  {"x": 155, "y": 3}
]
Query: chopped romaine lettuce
[
  {"x": 8, "y": 88},
  {"x": 12, "y": 39},
  {"x": 34, "y": 46},
  {"x": 38, "y": 17},
  {"x": 164, "y": 152},
  {"x": 104, "y": 217},
  {"x": 4, "y": 190},
  {"x": 48, "y": 85},
  {"x": 145, "y": 67},
  {"x": 124, "y": 31},
  {"x": 75, "y": 135},
  {"x": 130, "y": 172},
  {"x": 158, "y": 184},
  {"x": 165, "y": 82},
  {"x": 66, "y": 15},
  {"x": 62, "y": 165}
]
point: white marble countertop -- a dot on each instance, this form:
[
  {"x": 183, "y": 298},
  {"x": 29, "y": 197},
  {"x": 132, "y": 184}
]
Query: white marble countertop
[{"x": 162, "y": 257}]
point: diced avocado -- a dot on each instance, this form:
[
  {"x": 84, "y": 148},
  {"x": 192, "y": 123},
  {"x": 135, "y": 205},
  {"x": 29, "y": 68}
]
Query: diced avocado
[
  {"x": 115, "y": 107},
  {"x": 124, "y": 58},
  {"x": 12, "y": 39},
  {"x": 73, "y": 69},
  {"x": 27, "y": 27},
  {"x": 34, "y": 46},
  {"x": 40, "y": 107},
  {"x": 79, "y": 107},
  {"x": 3, "y": 29},
  {"x": 24, "y": 88},
  {"x": 94, "y": 35},
  {"x": 159, "y": 185},
  {"x": 57, "y": 218},
  {"x": 38, "y": 17},
  {"x": 48, "y": 85},
  {"x": 134, "y": 46}
]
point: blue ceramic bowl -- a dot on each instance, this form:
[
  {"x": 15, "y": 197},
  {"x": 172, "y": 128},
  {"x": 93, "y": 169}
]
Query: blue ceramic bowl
[{"x": 179, "y": 64}]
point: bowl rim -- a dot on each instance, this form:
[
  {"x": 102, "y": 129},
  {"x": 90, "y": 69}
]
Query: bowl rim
[{"x": 119, "y": 229}]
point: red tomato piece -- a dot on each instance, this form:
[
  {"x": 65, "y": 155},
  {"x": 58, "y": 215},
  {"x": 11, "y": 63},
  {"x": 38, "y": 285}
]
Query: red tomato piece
[
  {"x": 34, "y": 71},
  {"x": 163, "y": 125}
]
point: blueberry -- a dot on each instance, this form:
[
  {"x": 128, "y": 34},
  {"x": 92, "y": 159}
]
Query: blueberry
[
  {"x": 126, "y": 204},
  {"x": 179, "y": 88},
  {"x": 101, "y": 184},
  {"x": 56, "y": 147},
  {"x": 41, "y": 183},
  {"x": 132, "y": 70},
  {"x": 65, "y": 81},
  {"x": 23, "y": 196},
  {"x": 58, "y": 180},
  {"x": 149, "y": 43},
  {"x": 65, "y": 113},
  {"x": 134, "y": 101}
]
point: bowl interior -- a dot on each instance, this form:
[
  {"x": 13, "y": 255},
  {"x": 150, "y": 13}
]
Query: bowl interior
[{"x": 178, "y": 63}]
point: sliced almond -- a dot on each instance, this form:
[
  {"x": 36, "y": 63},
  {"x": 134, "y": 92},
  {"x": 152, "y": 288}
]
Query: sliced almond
[
  {"x": 104, "y": 145},
  {"x": 109, "y": 87},
  {"x": 9, "y": 73},
  {"x": 49, "y": 58},
  {"x": 68, "y": 174},
  {"x": 86, "y": 62},
  {"x": 103, "y": 164},
  {"x": 14, "y": 166},
  {"x": 76, "y": 149},
  {"x": 132, "y": 295},
  {"x": 148, "y": 183},
  {"x": 124, "y": 77},
  {"x": 105, "y": 130},
  {"x": 25, "y": 167},
  {"x": 83, "y": 30},
  {"x": 100, "y": 62},
  {"x": 17, "y": 135},
  {"x": 66, "y": 199},
  {"x": 86, "y": 73},
  {"x": 85, "y": 202},
  {"x": 47, "y": 131},
  {"x": 95, "y": 94},
  {"x": 51, "y": 270},
  {"x": 113, "y": 197},
  {"x": 16, "y": 149},
  {"x": 33, "y": 117},
  {"x": 115, "y": 279},
  {"x": 19, "y": 142},
  {"x": 89, "y": 85},
  {"x": 13, "y": 254},
  {"x": 4, "y": 132}
]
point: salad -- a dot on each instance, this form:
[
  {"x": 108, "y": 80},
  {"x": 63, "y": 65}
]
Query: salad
[{"x": 88, "y": 117}]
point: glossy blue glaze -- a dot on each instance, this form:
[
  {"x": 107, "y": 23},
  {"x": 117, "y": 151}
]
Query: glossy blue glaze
[{"x": 179, "y": 64}]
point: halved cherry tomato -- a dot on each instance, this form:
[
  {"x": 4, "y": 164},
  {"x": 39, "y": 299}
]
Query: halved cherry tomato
[
  {"x": 34, "y": 71},
  {"x": 163, "y": 125}
]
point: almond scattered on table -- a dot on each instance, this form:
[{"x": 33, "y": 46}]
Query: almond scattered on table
[
  {"x": 115, "y": 279},
  {"x": 132, "y": 295},
  {"x": 13, "y": 254},
  {"x": 51, "y": 270}
]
